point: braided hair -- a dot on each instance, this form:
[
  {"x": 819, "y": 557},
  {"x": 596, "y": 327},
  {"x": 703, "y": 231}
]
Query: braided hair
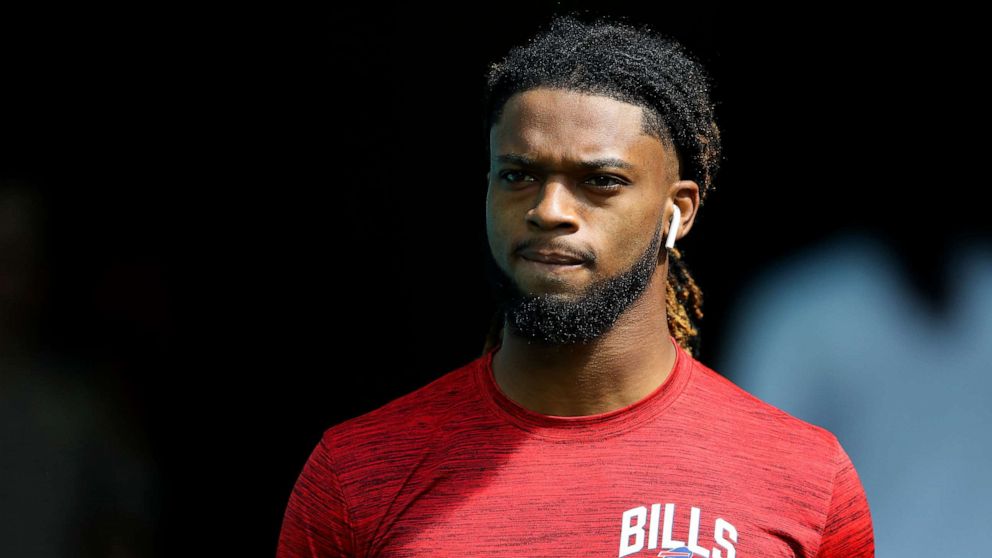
[{"x": 636, "y": 65}]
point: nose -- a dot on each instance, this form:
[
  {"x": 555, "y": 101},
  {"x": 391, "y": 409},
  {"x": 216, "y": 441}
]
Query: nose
[{"x": 555, "y": 207}]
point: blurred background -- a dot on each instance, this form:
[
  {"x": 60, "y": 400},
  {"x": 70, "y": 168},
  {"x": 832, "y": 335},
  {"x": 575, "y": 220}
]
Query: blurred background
[{"x": 222, "y": 232}]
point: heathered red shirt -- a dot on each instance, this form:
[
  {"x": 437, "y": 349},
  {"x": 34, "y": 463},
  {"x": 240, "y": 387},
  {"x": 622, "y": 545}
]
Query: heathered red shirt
[{"x": 697, "y": 468}]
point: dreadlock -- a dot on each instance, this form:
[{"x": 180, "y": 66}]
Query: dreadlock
[{"x": 636, "y": 65}]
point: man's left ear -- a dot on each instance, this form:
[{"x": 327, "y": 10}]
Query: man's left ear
[{"x": 685, "y": 201}]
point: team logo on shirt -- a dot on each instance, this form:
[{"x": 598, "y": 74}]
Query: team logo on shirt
[
  {"x": 639, "y": 530},
  {"x": 680, "y": 552}
]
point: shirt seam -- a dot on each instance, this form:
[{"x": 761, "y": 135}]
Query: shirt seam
[
  {"x": 833, "y": 492},
  {"x": 344, "y": 496}
]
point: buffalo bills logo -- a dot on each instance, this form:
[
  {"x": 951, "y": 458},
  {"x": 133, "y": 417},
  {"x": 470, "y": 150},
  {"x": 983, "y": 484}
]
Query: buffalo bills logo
[{"x": 680, "y": 552}]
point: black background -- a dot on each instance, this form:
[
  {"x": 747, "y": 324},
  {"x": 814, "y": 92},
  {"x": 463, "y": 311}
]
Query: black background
[{"x": 265, "y": 222}]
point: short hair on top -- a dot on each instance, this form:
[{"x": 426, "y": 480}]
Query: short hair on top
[{"x": 630, "y": 63}]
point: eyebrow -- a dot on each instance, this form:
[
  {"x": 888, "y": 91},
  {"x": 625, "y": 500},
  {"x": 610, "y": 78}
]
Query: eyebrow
[{"x": 603, "y": 162}]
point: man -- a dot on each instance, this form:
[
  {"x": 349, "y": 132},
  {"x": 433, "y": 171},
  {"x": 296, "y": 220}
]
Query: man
[{"x": 587, "y": 427}]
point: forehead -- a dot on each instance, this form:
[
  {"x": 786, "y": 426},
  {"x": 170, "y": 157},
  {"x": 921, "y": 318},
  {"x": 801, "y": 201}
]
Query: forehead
[{"x": 570, "y": 126}]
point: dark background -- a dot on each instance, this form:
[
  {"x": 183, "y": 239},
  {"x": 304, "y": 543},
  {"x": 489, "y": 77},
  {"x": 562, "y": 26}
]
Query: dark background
[{"x": 261, "y": 223}]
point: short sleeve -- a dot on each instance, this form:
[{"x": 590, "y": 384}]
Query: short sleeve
[
  {"x": 316, "y": 523},
  {"x": 848, "y": 530}
]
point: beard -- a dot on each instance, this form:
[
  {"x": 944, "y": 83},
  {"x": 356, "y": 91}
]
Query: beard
[{"x": 553, "y": 319}]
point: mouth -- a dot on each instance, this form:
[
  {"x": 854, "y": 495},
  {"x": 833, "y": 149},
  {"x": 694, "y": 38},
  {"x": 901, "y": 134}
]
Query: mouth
[{"x": 554, "y": 267}]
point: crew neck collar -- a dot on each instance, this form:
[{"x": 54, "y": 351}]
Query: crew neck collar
[{"x": 571, "y": 427}]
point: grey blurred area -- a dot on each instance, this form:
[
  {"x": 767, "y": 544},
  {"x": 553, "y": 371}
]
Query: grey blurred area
[
  {"x": 75, "y": 476},
  {"x": 842, "y": 336}
]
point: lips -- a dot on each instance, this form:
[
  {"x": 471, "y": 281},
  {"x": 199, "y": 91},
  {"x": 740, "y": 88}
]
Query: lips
[{"x": 551, "y": 257}]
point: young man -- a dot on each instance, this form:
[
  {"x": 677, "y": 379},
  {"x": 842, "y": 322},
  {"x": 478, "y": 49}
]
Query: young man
[{"x": 587, "y": 427}]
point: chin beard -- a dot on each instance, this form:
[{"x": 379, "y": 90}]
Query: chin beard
[{"x": 554, "y": 319}]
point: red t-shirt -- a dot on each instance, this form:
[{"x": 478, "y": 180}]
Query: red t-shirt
[{"x": 698, "y": 468}]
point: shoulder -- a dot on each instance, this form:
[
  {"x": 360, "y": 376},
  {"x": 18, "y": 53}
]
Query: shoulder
[
  {"x": 407, "y": 420},
  {"x": 752, "y": 418}
]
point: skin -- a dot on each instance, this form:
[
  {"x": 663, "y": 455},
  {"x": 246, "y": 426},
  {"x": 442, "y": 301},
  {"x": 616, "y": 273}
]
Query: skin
[{"x": 557, "y": 203}]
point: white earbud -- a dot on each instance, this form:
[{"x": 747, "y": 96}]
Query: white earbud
[{"x": 673, "y": 228}]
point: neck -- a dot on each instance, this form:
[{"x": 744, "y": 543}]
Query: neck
[{"x": 617, "y": 369}]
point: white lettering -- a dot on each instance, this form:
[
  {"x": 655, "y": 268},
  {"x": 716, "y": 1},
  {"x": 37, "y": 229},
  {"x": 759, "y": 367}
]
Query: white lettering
[
  {"x": 626, "y": 530},
  {"x": 723, "y": 530},
  {"x": 653, "y": 533},
  {"x": 694, "y": 535},
  {"x": 721, "y": 527},
  {"x": 666, "y": 540}
]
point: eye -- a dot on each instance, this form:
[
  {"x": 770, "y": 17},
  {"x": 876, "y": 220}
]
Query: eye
[
  {"x": 615, "y": 184},
  {"x": 508, "y": 175}
]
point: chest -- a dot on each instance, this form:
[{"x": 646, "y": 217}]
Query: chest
[{"x": 644, "y": 503}]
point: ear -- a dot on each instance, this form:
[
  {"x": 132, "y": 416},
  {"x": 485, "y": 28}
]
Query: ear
[{"x": 685, "y": 194}]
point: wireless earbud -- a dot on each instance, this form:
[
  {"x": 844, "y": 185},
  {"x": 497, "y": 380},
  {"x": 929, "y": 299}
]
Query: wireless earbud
[{"x": 673, "y": 228}]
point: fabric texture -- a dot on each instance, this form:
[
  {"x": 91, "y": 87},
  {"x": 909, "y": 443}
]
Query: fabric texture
[{"x": 697, "y": 468}]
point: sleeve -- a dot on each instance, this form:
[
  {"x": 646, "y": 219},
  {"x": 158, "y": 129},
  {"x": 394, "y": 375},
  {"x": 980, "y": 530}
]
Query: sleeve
[
  {"x": 848, "y": 530},
  {"x": 316, "y": 523}
]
